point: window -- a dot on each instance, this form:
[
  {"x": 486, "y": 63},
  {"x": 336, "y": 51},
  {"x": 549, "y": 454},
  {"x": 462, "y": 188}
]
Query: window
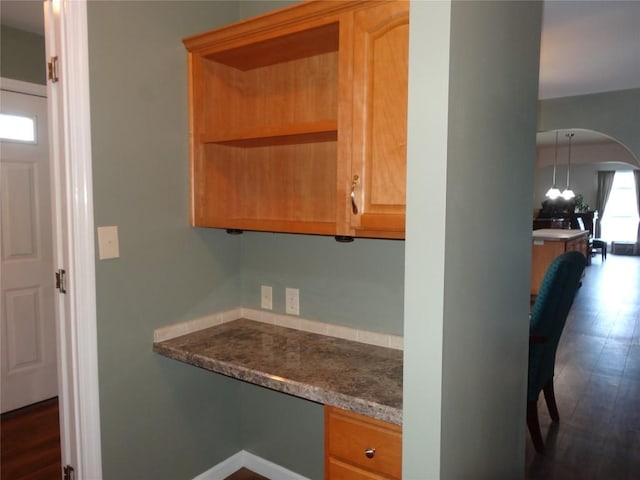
[
  {"x": 620, "y": 220},
  {"x": 17, "y": 128}
]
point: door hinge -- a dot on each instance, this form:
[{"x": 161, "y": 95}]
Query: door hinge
[
  {"x": 68, "y": 472},
  {"x": 61, "y": 281},
  {"x": 53, "y": 69}
]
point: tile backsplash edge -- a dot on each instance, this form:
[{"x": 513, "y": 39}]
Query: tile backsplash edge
[{"x": 363, "y": 336}]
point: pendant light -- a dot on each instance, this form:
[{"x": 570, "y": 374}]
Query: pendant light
[
  {"x": 553, "y": 192},
  {"x": 568, "y": 194}
]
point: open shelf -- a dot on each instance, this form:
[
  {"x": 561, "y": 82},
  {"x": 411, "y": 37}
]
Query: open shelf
[
  {"x": 291, "y": 187},
  {"x": 301, "y": 44}
]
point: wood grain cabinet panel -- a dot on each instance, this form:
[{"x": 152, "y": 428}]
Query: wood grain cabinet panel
[
  {"x": 348, "y": 438},
  {"x": 286, "y": 108},
  {"x": 337, "y": 470},
  {"x": 380, "y": 75}
]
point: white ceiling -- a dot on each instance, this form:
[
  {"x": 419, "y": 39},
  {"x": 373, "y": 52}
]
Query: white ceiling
[{"x": 588, "y": 46}]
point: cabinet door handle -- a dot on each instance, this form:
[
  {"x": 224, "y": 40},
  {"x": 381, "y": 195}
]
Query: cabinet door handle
[
  {"x": 370, "y": 452},
  {"x": 354, "y": 207}
]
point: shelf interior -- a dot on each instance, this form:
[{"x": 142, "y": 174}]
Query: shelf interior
[{"x": 302, "y": 44}]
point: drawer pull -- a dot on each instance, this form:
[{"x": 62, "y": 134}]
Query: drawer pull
[{"x": 370, "y": 452}]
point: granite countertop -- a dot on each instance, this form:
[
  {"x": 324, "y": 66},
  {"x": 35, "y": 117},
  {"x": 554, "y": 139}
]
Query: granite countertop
[
  {"x": 558, "y": 234},
  {"x": 355, "y": 376}
]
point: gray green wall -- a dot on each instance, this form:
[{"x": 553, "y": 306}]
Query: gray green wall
[
  {"x": 495, "y": 51},
  {"x": 584, "y": 180},
  {"x": 251, "y": 8},
  {"x": 612, "y": 113},
  {"x": 359, "y": 284},
  {"x": 159, "y": 419},
  {"x": 283, "y": 429},
  {"x": 22, "y": 56},
  {"x": 468, "y": 239},
  {"x": 426, "y": 241}
]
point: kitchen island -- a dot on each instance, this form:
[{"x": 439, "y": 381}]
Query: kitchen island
[
  {"x": 353, "y": 376},
  {"x": 549, "y": 243}
]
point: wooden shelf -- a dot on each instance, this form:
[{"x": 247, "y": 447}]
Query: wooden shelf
[
  {"x": 312, "y": 132},
  {"x": 302, "y": 44}
]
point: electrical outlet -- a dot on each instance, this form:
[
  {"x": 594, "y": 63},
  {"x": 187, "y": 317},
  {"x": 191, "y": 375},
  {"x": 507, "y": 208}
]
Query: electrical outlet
[
  {"x": 292, "y": 301},
  {"x": 266, "y": 297}
]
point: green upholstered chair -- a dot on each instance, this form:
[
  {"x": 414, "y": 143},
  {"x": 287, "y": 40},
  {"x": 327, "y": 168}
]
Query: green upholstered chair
[{"x": 548, "y": 316}]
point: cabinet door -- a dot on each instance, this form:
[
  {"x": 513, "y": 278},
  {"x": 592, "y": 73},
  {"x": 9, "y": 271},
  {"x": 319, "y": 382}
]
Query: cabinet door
[{"x": 378, "y": 175}]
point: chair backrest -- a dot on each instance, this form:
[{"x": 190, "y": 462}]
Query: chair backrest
[{"x": 549, "y": 314}]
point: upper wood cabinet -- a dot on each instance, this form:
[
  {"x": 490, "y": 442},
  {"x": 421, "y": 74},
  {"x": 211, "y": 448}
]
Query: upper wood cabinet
[
  {"x": 288, "y": 108},
  {"x": 380, "y": 75}
]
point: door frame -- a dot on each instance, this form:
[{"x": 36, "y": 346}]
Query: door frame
[{"x": 73, "y": 238}]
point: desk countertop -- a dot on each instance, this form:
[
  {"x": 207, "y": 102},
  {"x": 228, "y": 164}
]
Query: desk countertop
[{"x": 362, "y": 378}]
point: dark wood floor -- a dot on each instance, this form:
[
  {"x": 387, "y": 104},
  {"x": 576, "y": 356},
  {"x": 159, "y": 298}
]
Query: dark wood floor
[
  {"x": 597, "y": 381},
  {"x": 30, "y": 443},
  {"x": 245, "y": 474}
]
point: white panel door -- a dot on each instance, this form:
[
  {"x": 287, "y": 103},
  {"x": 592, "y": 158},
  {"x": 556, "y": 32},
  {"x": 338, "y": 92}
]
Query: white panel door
[{"x": 28, "y": 332}]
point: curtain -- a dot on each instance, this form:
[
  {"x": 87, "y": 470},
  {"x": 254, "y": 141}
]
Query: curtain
[
  {"x": 636, "y": 176},
  {"x": 605, "y": 182}
]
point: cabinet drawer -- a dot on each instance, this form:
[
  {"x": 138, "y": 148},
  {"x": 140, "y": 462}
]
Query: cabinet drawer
[
  {"x": 338, "y": 470},
  {"x": 349, "y": 436}
]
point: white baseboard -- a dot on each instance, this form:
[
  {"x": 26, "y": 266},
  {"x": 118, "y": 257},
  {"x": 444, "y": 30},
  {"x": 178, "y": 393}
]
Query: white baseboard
[{"x": 254, "y": 463}]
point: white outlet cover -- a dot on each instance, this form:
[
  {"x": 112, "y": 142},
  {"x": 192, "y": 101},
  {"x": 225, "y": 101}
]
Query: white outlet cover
[{"x": 292, "y": 301}]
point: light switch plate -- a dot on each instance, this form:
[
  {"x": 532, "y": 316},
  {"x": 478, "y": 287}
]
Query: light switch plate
[{"x": 108, "y": 246}]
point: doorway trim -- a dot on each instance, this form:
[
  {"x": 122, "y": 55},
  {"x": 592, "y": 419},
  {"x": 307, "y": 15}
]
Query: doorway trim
[{"x": 72, "y": 189}]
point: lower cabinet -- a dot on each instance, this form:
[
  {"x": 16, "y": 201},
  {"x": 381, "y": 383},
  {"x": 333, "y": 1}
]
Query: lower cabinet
[{"x": 358, "y": 447}]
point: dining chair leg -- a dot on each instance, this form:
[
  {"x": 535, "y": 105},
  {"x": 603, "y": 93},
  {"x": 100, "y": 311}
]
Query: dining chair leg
[
  {"x": 534, "y": 426},
  {"x": 550, "y": 399}
]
